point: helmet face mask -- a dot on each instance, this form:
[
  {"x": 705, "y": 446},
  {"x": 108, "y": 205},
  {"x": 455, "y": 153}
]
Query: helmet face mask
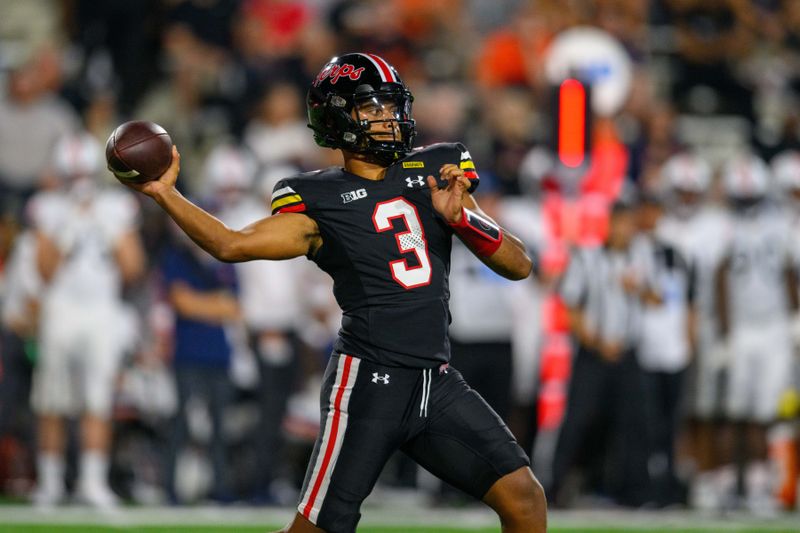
[{"x": 359, "y": 104}]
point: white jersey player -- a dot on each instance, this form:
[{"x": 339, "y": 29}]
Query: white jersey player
[
  {"x": 756, "y": 290},
  {"x": 755, "y": 295},
  {"x": 88, "y": 246}
]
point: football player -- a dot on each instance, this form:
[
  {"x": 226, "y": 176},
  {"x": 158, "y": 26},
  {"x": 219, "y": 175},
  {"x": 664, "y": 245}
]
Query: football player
[
  {"x": 87, "y": 249},
  {"x": 382, "y": 227},
  {"x": 756, "y": 295}
]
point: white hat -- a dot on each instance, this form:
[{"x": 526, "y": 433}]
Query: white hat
[
  {"x": 786, "y": 169},
  {"x": 688, "y": 172},
  {"x": 746, "y": 176},
  {"x": 77, "y": 155}
]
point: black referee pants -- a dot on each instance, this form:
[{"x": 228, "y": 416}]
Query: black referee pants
[{"x": 604, "y": 429}]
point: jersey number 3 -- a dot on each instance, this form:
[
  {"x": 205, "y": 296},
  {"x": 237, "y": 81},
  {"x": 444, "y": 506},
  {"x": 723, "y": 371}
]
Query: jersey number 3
[{"x": 412, "y": 240}]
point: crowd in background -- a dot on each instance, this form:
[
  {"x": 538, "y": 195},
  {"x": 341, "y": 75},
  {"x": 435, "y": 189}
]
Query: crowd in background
[{"x": 200, "y": 380}]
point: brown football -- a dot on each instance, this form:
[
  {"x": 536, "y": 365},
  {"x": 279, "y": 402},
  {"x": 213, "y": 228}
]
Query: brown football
[{"x": 139, "y": 151}]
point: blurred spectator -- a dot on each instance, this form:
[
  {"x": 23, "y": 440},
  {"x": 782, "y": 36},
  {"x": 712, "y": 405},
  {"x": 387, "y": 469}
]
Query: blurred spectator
[
  {"x": 377, "y": 27},
  {"x": 202, "y": 293},
  {"x": 513, "y": 55},
  {"x": 277, "y": 24},
  {"x": 664, "y": 351},
  {"x": 510, "y": 117},
  {"x": 271, "y": 309},
  {"x": 32, "y": 119},
  {"x": 28, "y": 24},
  {"x": 711, "y": 36},
  {"x": 757, "y": 292},
  {"x": 625, "y": 20},
  {"x": 656, "y": 145},
  {"x": 441, "y": 112},
  {"x": 605, "y": 289},
  {"x": 87, "y": 247},
  {"x": 108, "y": 53},
  {"x": 278, "y": 133},
  {"x": 19, "y": 294},
  {"x": 187, "y": 104}
]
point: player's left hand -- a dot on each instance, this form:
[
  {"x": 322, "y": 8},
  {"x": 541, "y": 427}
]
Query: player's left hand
[{"x": 449, "y": 201}]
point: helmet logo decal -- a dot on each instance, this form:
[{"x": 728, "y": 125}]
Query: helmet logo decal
[{"x": 334, "y": 72}]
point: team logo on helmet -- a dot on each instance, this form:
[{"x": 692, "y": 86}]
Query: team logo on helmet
[{"x": 334, "y": 72}]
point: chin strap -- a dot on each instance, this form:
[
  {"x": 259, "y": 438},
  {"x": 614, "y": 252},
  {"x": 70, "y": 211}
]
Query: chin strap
[{"x": 479, "y": 232}]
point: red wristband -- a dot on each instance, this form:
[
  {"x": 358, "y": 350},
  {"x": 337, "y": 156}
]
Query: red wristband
[{"x": 479, "y": 232}]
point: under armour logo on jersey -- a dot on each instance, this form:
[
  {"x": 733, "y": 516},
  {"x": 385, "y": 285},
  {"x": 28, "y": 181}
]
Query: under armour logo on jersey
[
  {"x": 383, "y": 379},
  {"x": 353, "y": 195},
  {"x": 465, "y": 155},
  {"x": 412, "y": 181}
]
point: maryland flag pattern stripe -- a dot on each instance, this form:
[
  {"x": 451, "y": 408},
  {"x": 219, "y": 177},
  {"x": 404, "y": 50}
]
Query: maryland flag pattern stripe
[
  {"x": 468, "y": 166},
  {"x": 286, "y": 200}
]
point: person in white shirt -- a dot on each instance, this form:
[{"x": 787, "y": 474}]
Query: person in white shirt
[
  {"x": 699, "y": 230},
  {"x": 87, "y": 247},
  {"x": 664, "y": 350},
  {"x": 277, "y": 134},
  {"x": 757, "y": 292}
]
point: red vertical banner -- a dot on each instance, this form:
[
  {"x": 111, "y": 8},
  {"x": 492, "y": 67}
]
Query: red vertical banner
[{"x": 572, "y": 123}]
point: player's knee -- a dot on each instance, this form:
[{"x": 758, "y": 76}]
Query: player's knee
[
  {"x": 520, "y": 501},
  {"x": 529, "y": 504}
]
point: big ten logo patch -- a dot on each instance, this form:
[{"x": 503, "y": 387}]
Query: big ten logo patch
[{"x": 353, "y": 195}]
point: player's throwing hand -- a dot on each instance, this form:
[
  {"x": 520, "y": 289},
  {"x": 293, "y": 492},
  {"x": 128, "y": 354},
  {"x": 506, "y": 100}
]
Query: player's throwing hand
[{"x": 450, "y": 200}]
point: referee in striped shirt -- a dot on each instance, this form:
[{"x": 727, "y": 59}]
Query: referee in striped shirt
[{"x": 604, "y": 289}]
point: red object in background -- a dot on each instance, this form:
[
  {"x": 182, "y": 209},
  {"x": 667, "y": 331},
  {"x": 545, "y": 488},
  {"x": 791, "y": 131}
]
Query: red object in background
[
  {"x": 609, "y": 157},
  {"x": 557, "y": 363},
  {"x": 581, "y": 220},
  {"x": 572, "y": 123},
  {"x": 555, "y": 317},
  {"x": 282, "y": 22}
]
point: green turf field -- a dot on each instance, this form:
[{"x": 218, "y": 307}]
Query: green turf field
[{"x": 75, "y": 528}]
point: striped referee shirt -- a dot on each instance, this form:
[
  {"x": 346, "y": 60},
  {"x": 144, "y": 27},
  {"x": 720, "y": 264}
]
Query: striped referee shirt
[{"x": 593, "y": 284}]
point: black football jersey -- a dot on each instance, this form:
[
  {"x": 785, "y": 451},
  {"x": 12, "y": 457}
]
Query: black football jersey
[{"x": 388, "y": 252}]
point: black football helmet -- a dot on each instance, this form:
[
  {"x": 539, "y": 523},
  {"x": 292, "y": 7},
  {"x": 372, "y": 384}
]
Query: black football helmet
[{"x": 368, "y": 85}]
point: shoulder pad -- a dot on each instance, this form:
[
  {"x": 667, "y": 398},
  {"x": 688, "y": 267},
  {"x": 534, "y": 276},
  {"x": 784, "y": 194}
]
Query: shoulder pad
[
  {"x": 433, "y": 156},
  {"x": 293, "y": 194}
]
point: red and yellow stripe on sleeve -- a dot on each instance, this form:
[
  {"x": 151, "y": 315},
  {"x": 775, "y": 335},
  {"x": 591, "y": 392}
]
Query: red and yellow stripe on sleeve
[
  {"x": 468, "y": 167},
  {"x": 286, "y": 200}
]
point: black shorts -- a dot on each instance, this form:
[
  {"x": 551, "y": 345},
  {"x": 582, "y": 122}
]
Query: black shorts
[{"x": 371, "y": 410}]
